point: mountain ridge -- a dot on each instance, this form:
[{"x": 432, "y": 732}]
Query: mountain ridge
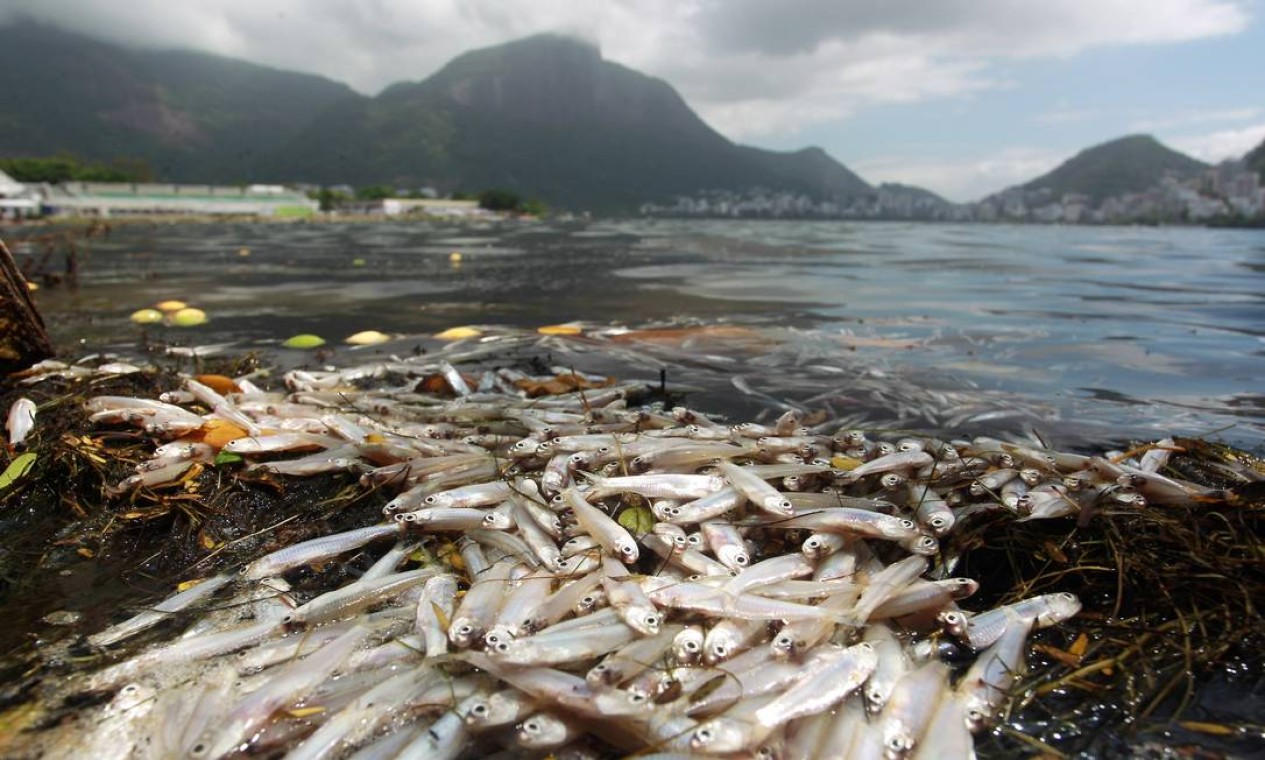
[
  {"x": 1129, "y": 164},
  {"x": 190, "y": 115},
  {"x": 545, "y": 115}
]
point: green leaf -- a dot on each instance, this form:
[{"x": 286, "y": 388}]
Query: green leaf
[
  {"x": 637, "y": 520},
  {"x": 16, "y": 469},
  {"x": 227, "y": 457}
]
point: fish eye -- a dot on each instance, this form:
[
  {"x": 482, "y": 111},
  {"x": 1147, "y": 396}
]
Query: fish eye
[
  {"x": 907, "y": 524},
  {"x": 691, "y": 646},
  {"x": 531, "y": 727},
  {"x": 502, "y": 646},
  {"x": 636, "y": 697},
  {"x": 741, "y": 559},
  {"x": 651, "y": 620},
  {"x": 703, "y": 735},
  {"x": 479, "y": 708}
]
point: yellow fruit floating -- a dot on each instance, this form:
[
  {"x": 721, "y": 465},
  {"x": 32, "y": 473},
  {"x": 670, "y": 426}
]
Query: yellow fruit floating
[
  {"x": 367, "y": 338},
  {"x": 147, "y": 316},
  {"x": 170, "y": 305},
  {"x": 458, "y": 333},
  {"x": 188, "y": 317},
  {"x": 559, "y": 330},
  {"x": 305, "y": 340}
]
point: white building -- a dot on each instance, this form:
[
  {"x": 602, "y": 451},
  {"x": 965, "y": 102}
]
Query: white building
[{"x": 17, "y": 200}]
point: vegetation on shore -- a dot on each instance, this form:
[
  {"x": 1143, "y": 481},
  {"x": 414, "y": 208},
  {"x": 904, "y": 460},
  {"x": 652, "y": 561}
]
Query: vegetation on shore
[{"x": 67, "y": 167}]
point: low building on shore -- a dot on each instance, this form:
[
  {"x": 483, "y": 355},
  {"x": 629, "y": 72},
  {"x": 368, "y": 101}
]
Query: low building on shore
[
  {"x": 110, "y": 199},
  {"x": 17, "y": 200},
  {"x": 441, "y": 207}
]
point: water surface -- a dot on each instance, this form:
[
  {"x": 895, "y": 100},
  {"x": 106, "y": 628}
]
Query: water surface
[{"x": 1112, "y": 331}]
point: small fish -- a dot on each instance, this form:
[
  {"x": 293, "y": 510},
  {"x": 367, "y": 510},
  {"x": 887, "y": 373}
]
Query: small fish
[{"x": 21, "y": 421}]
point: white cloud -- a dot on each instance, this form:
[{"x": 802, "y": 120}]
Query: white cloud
[
  {"x": 1218, "y": 146},
  {"x": 968, "y": 178},
  {"x": 748, "y": 62},
  {"x": 1191, "y": 118},
  {"x": 1065, "y": 115}
]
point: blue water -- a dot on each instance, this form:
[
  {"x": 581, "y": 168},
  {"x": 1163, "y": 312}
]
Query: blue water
[{"x": 1105, "y": 332}]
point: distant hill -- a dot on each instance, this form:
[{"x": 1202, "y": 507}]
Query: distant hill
[
  {"x": 915, "y": 193},
  {"x": 193, "y": 117},
  {"x": 544, "y": 116},
  {"x": 1130, "y": 164},
  {"x": 1255, "y": 159}
]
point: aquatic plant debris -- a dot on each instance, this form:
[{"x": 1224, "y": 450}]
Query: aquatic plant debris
[{"x": 610, "y": 576}]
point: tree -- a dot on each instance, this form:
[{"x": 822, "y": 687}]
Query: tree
[
  {"x": 499, "y": 200},
  {"x": 374, "y": 193},
  {"x": 65, "y": 167}
]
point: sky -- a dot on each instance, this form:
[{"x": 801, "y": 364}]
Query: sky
[{"x": 963, "y": 97}]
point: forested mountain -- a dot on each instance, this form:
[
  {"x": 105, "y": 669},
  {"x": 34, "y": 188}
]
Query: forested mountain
[
  {"x": 548, "y": 116},
  {"x": 193, "y": 117},
  {"x": 1130, "y": 164},
  {"x": 543, "y": 116}
]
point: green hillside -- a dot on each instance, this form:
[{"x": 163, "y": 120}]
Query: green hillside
[
  {"x": 1131, "y": 164},
  {"x": 544, "y": 116},
  {"x": 193, "y": 117},
  {"x": 1255, "y": 159}
]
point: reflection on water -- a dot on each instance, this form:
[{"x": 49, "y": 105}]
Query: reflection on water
[{"x": 1134, "y": 327}]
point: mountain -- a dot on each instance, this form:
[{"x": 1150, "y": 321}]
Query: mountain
[
  {"x": 1130, "y": 164},
  {"x": 1255, "y": 159},
  {"x": 193, "y": 117},
  {"x": 545, "y": 116}
]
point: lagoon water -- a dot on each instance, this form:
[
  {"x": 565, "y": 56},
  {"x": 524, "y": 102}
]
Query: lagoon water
[{"x": 1098, "y": 333}]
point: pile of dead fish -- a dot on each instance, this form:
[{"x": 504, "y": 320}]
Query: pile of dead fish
[{"x": 624, "y": 580}]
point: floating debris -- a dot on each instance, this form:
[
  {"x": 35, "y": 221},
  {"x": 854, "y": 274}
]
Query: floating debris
[
  {"x": 566, "y": 329},
  {"x": 170, "y": 305},
  {"x": 459, "y": 333},
  {"x": 367, "y": 338},
  {"x": 304, "y": 340},
  {"x": 188, "y": 317},
  {"x": 147, "y": 316}
]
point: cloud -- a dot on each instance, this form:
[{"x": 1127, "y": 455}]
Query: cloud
[
  {"x": 751, "y": 65},
  {"x": 1218, "y": 146},
  {"x": 968, "y": 178},
  {"x": 1192, "y": 118},
  {"x": 1065, "y": 115}
]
